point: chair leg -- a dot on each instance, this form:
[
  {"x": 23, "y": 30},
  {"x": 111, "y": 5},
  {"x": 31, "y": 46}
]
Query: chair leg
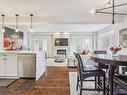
[
  {"x": 81, "y": 86},
  {"x": 115, "y": 91},
  {"x": 98, "y": 81},
  {"x": 77, "y": 82},
  {"x": 95, "y": 82},
  {"x": 104, "y": 85}
]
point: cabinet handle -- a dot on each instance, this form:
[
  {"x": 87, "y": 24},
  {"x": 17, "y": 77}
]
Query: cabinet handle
[
  {"x": 5, "y": 59},
  {"x": 4, "y": 55}
]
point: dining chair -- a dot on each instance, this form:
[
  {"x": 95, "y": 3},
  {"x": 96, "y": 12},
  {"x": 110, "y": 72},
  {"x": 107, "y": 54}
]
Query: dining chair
[
  {"x": 102, "y": 67},
  {"x": 124, "y": 69},
  {"x": 101, "y": 52},
  {"x": 120, "y": 82},
  {"x": 83, "y": 74},
  {"x": 120, "y": 85}
]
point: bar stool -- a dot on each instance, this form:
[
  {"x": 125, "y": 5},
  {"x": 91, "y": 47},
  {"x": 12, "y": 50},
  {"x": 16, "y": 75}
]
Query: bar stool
[{"x": 83, "y": 74}]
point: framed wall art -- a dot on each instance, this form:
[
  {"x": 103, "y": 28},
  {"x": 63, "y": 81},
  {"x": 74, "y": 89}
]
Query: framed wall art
[{"x": 13, "y": 40}]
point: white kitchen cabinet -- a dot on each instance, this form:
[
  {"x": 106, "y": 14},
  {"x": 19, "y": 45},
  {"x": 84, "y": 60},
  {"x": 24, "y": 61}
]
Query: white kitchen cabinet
[
  {"x": 8, "y": 65},
  {"x": 11, "y": 65},
  {"x": 40, "y": 64},
  {"x": 2, "y": 65}
]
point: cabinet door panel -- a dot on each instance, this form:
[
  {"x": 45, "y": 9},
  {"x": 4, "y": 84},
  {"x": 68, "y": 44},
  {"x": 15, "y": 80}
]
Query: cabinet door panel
[
  {"x": 2, "y": 65},
  {"x": 11, "y": 65},
  {"x": 40, "y": 64}
]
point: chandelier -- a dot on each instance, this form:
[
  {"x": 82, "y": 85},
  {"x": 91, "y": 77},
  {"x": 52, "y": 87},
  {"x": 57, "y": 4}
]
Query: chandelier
[{"x": 113, "y": 13}]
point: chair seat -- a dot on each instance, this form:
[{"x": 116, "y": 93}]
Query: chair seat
[
  {"x": 90, "y": 67},
  {"x": 93, "y": 73}
]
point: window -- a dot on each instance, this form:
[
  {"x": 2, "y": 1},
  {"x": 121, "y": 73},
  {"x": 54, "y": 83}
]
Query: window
[
  {"x": 78, "y": 43},
  {"x": 105, "y": 40}
]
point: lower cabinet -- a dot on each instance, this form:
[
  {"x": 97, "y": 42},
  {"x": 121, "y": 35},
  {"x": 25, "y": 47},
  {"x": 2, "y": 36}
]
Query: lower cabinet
[
  {"x": 8, "y": 65},
  {"x": 11, "y": 65},
  {"x": 22, "y": 65},
  {"x": 2, "y": 65}
]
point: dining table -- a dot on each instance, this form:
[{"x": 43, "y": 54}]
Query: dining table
[{"x": 112, "y": 62}]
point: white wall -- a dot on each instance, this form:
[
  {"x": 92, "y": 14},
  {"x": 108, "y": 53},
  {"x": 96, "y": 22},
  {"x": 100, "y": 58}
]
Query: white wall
[
  {"x": 50, "y": 37},
  {"x": 105, "y": 39},
  {"x": 117, "y": 28},
  {"x": 115, "y": 38},
  {"x": 1, "y": 40}
]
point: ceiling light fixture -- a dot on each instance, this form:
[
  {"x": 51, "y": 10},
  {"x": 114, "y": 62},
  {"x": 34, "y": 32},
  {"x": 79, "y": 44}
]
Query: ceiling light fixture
[
  {"x": 113, "y": 13},
  {"x": 16, "y": 28},
  {"x": 3, "y": 27},
  {"x": 31, "y": 22},
  {"x": 109, "y": 3},
  {"x": 92, "y": 12}
]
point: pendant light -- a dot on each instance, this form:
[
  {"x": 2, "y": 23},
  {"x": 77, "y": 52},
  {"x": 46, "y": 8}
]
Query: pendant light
[
  {"x": 16, "y": 28},
  {"x": 31, "y": 22},
  {"x": 3, "y": 27}
]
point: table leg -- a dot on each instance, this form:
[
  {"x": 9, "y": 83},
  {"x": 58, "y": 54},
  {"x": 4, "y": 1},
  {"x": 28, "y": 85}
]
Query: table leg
[{"x": 111, "y": 74}]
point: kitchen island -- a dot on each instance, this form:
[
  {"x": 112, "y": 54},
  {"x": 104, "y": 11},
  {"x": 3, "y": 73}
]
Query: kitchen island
[{"x": 21, "y": 64}]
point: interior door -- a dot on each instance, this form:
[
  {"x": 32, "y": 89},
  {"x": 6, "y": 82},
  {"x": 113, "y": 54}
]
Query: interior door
[
  {"x": 40, "y": 64},
  {"x": 36, "y": 45},
  {"x": 2, "y": 65}
]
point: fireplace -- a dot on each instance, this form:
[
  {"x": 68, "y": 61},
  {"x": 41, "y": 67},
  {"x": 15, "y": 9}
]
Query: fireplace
[{"x": 61, "y": 52}]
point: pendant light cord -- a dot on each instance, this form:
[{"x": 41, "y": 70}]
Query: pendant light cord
[
  {"x": 3, "y": 20},
  {"x": 31, "y": 15},
  {"x": 16, "y": 21},
  {"x": 113, "y": 12}
]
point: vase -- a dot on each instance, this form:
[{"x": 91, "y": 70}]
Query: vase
[{"x": 114, "y": 53}]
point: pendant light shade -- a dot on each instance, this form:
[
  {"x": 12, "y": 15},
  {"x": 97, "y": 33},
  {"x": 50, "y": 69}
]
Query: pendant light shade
[
  {"x": 92, "y": 12},
  {"x": 16, "y": 28},
  {"x": 3, "y": 27},
  {"x": 31, "y": 22}
]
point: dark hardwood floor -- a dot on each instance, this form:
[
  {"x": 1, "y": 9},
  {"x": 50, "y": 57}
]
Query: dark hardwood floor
[{"x": 54, "y": 82}]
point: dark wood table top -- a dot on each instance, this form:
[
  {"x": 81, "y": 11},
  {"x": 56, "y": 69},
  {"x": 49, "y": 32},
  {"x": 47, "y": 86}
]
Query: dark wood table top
[{"x": 109, "y": 59}]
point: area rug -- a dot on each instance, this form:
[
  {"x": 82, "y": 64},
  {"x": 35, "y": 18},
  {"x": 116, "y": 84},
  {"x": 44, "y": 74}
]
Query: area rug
[
  {"x": 73, "y": 79},
  {"x": 6, "y": 82}
]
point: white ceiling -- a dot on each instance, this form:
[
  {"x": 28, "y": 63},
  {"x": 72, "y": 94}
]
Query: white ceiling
[
  {"x": 58, "y": 11},
  {"x": 51, "y": 7},
  {"x": 59, "y": 15},
  {"x": 75, "y": 28}
]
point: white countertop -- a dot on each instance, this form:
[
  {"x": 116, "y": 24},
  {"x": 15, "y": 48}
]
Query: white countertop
[{"x": 18, "y": 52}]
